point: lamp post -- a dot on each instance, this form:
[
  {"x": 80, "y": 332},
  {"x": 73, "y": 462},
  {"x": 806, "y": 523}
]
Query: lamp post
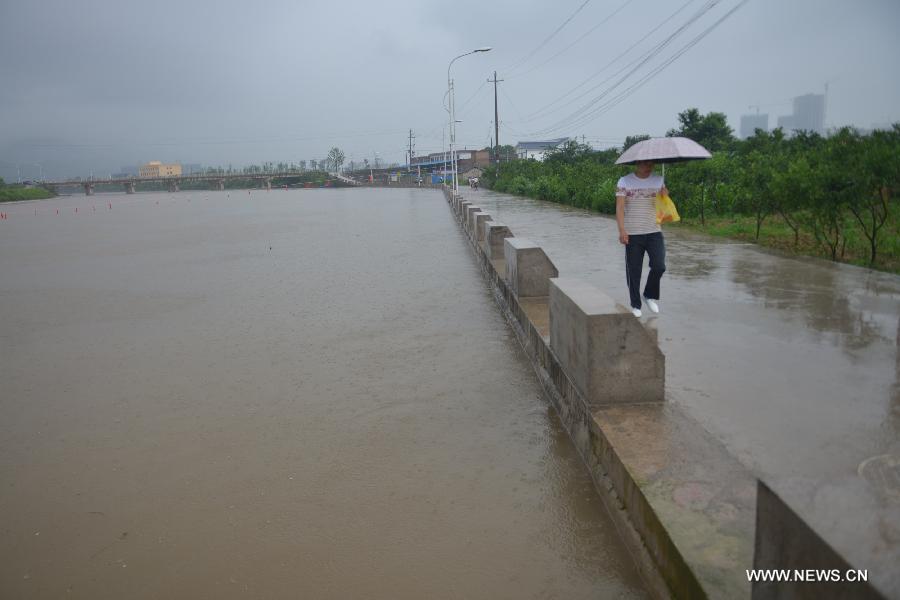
[{"x": 453, "y": 115}]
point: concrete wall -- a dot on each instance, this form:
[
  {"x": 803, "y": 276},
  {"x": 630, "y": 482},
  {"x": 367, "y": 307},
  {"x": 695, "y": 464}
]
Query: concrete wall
[
  {"x": 608, "y": 353},
  {"x": 471, "y": 211},
  {"x": 494, "y": 234},
  {"x": 649, "y": 521},
  {"x": 785, "y": 541},
  {"x": 480, "y": 219},
  {"x": 527, "y": 267}
]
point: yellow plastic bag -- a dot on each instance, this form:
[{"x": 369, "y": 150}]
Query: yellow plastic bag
[{"x": 665, "y": 209}]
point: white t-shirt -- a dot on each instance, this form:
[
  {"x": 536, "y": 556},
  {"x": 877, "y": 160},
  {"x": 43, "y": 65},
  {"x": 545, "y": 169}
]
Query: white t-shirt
[{"x": 640, "y": 202}]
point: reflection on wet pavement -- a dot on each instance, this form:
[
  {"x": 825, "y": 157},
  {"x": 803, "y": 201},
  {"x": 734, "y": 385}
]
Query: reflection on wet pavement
[{"x": 792, "y": 362}]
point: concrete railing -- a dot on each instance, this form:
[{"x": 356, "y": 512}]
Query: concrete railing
[
  {"x": 493, "y": 235},
  {"x": 603, "y": 348},
  {"x": 471, "y": 211},
  {"x": 480, "y": 219},
  {"x": 528, "y": 270}
]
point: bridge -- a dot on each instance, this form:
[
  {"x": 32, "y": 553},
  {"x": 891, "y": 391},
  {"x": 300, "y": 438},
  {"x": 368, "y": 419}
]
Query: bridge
[{"x": 216, "y": 181}]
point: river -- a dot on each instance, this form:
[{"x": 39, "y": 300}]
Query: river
[{"x": 295, "y": 393}]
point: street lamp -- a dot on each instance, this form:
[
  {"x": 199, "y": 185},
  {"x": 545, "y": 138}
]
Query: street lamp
[{"x": 453, "y": 115}]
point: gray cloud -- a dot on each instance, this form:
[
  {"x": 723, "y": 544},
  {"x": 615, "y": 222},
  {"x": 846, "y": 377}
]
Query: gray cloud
[{"x": 95, "y": 85}]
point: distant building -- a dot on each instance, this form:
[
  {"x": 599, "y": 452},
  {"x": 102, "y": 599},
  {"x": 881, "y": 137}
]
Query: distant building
[
  {"x": 439, "y": 161},
  {"x": 786, "y": 123},
  {"x": 538, "y": 150},
  {"x": 809, "y": 112},
  {"x": 809, "y": 115},
  {"x": 155, "y": 168},
  {"x": 750, "y": 123}
]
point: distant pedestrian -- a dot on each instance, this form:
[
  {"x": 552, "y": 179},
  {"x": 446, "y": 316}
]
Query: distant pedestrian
[{"x": 640, "y": 233}]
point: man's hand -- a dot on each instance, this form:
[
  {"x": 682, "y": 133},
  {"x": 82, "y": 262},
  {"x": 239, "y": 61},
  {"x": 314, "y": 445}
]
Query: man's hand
[
  {"x": 623, "y": 238},
  {"x": 664, "y": 191}
]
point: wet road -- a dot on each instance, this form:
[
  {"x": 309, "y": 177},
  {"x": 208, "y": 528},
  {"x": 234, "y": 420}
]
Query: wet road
[
  {"x": 292, "y": 394},
  {"x": 792, "y": 362}
]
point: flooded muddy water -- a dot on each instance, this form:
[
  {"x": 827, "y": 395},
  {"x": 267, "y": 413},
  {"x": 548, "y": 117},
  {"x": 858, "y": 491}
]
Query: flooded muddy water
[{"x": 293, "y": 394}]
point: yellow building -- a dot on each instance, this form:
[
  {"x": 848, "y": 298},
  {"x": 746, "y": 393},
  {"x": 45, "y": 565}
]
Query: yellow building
[{"x": 154, "y": 168}]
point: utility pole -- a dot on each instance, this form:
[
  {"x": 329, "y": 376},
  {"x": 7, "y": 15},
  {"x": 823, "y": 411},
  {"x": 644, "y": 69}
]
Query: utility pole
[
  {"x": 412, "y": 151},
  {"x": 496, "y": 120}
]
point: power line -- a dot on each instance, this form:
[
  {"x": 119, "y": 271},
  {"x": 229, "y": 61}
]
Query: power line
[
  {"x": 472, "y": 97},
  {"x": 584, "y": 35},
  {"x": 576, "y": 117},
  {"x": 548, "y": 38},
  {"x": 534, "y": 115},
  {"x": 609, "y": 105}
]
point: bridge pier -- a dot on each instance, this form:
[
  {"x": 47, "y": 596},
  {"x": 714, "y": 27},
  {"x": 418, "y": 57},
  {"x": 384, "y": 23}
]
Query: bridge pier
[
  {"x": 173, "y": 186},
  {"x": 267, "y": 184},
  {"x": 129, "y": 187},
  {"x": 88, "y": 189},
  {"x": 218, "y": 185}
]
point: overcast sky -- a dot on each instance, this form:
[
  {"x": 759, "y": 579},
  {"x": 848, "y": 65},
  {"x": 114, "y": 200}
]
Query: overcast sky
[{"x": 95, "y": 85}]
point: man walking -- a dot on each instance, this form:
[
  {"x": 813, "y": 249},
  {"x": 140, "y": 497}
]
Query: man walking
[{"x": 640, "y": 233}]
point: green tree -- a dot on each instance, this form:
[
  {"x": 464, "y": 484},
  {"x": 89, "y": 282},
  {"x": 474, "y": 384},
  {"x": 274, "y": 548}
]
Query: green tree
[
  {"x": 838, "y": 175},
  {"x": 568, "y": 153},
  {"x": 335, "y": 158},
  {"x": 631, "y": 140},
  {"x": 760, "y": 157},
  {"x": 878, "y": 176},
  {"x": 710, "y": 131}
]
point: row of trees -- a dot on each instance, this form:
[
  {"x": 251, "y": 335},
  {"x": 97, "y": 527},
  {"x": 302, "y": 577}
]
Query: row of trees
[
  {"x": 826, "y": 188},
  {"x": 333, "y": 162}
]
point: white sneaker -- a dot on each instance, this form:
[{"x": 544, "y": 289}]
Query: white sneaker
[
  {"x": 636, "y": 312},
  {"x": 652, "y": 305}
]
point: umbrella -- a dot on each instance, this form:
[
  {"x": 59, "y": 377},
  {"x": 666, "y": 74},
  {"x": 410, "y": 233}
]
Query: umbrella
[{"x": 664, "y": 150}]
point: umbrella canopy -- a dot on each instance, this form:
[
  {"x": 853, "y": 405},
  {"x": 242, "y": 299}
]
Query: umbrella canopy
[{"x": 664, "y": 150}]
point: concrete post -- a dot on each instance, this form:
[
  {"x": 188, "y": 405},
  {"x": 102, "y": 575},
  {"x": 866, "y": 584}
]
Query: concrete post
[
  {"x": 129, "y": 187},
  {"x": 461, "y": 213},
  {"x": 784, "y": 540},
  {"x": 480, "y": 219},
  {"x": 494, "y": 234},
  {"x": 609, "y": 355},
  {"x": 471, "y": 211},
  {"x": 88, "y": 189},
  {"x": 528, "y": 270}
]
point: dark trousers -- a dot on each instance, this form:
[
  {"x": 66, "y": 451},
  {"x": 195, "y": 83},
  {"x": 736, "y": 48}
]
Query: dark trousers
[{"x": 655, "y": 246}]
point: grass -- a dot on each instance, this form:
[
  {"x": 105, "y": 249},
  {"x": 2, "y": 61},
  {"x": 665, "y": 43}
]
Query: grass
[{"x": 775, "y": 233}]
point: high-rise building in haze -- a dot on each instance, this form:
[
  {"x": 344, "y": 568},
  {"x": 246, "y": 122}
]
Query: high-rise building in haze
[
  {"x": 750, "y": 123},
  {"x": 809, "y": 115},
  {"x": 809, "y": 112},
  {"x": 786, "y": 123}
]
